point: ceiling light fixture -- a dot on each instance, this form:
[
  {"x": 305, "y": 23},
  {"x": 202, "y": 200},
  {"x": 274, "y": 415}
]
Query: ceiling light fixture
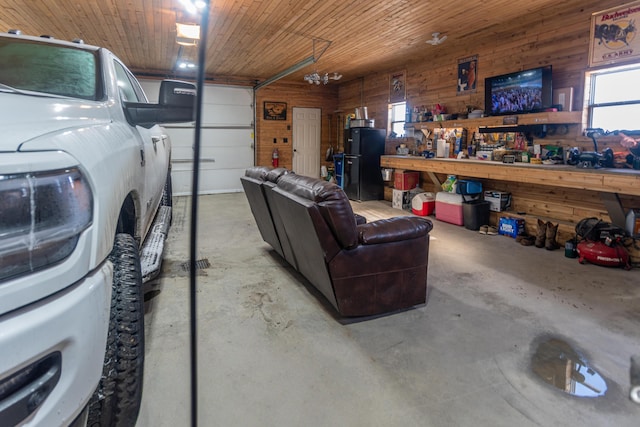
[
  {"x": 187, "y": 34},
  {"x": 300, "y": 65},
  {"x": 317, "y": 78},
  {"x": 192, "y": 6},
  {"x": 436, "y": 39}
]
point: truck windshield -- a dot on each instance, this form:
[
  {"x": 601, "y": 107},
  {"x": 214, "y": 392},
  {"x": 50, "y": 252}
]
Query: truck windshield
[{"x": 47, "y": 68}]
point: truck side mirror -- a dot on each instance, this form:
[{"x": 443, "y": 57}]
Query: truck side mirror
[
  {"x": 176, "y": 104},
  {"x": 175, "y": 93}
]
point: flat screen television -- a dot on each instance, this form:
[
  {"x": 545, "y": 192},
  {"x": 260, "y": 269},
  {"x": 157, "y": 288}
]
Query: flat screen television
[{"x": 520, "y": 92}]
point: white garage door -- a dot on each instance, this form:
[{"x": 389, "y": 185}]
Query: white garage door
[{"x": 226, "y": 141}]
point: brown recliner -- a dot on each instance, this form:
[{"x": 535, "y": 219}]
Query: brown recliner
[
  {"x": 253, "y": 184},
  {"x": 362, "y": 269},
  {"x": 270, "y": 182}
]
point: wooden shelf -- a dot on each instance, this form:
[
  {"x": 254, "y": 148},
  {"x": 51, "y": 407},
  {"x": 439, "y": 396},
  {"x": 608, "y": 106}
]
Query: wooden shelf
[
  {"x": 622, "y": 181},
  {"x": 552, "y": 117}
]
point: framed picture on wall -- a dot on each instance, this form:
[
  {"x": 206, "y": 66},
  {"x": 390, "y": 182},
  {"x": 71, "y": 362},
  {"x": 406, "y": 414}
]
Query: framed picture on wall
[
  {"x": 467, "y": 75},
  {"x": 614, "y": 35},
  {"x": 275, "y": 110},
  {"x": 397, "y": 86}
]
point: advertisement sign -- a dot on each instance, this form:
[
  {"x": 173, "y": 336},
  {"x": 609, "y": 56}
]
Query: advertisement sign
[{"x": 614, "y": 35}]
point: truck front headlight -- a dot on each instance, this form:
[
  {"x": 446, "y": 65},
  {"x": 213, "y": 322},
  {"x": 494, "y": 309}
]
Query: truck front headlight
[{"x": 41, "y": 217}]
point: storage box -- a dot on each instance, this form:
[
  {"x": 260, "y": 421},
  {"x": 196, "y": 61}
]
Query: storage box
[
  {"x": 401, "y": 199},
  {"x": 498, "y": 200},
  {"x": 510, "y": 226},
  {"x": 423, "y": 204},
  {"x": 449, "y": 207},
  {"x": 406, "y": 180}
]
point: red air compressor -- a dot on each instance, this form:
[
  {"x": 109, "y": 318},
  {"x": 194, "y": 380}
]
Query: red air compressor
[
  {"x": 601, "y": 244},
  {"x": 274, "y": 158},
  {"x": 613, "y": 255}
]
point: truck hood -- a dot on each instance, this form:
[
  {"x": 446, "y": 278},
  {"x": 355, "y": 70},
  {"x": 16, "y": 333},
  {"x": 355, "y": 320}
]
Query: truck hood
[{"x": 24, "y": 118}]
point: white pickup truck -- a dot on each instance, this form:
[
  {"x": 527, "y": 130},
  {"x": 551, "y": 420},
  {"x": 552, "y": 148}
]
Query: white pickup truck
[{"x": 85, "y": 206}]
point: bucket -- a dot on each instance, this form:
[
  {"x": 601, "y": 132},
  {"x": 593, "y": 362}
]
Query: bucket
[
  {"x": 633, "y": 222},
  {"x": 570, "y": 249},
  {"x": 387, "y": 174},
  {"x": 361, "y": 113}
]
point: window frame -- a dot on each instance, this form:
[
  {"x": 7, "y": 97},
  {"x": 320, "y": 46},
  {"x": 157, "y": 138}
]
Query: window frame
[
  {"x": 590, "y": 93},
  {"x": 132, "y": 83},
  {"x": 391, "y": 115}
]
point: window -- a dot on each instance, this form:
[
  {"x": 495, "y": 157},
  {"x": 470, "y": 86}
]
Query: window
[
  {"x": 49, "y": 68},
  {"x": 129, "y": 88},
  {"x": 397, "y": 114},
  {"x": 614, "y": 101}
]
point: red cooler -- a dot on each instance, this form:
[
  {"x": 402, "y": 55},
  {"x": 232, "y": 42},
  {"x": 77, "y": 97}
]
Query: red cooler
[{"x": 423, "y": 204}]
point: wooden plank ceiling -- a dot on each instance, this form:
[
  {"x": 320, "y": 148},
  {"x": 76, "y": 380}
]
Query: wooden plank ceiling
[{"x": 253, "y": 40}]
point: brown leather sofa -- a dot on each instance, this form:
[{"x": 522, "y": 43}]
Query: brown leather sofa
[
  {"x": 361, "y": 268},
  {"x": 257, "y": 183}
]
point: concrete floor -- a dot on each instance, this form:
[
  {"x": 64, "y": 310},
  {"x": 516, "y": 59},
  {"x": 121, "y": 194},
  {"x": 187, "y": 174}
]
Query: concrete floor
[{"x": 273, "y": 353}]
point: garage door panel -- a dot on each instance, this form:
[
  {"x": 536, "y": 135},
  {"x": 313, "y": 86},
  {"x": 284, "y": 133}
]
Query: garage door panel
[
  {"x": 229, "y": 95},
  {"x": 223, "y": 180},
  {"x": 227, "y": 115},
  {"x": 211, "y": 138},
  {"x": 224, "y": 158},
  {"x": 227, "y": 139}
]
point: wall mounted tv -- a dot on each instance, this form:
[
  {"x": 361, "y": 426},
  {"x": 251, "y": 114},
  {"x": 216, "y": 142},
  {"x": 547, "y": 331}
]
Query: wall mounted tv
[{"x": 527, "y": 91}]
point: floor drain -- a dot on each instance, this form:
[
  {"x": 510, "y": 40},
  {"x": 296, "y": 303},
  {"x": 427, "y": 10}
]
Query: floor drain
[{"x": 201, "y": 264}]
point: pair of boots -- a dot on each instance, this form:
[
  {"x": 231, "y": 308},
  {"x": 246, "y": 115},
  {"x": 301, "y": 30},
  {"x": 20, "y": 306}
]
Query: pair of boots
[{"x": 546, "y": 235}]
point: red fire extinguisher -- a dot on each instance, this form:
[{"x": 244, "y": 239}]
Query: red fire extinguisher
[{"x": 274, "y": 158}]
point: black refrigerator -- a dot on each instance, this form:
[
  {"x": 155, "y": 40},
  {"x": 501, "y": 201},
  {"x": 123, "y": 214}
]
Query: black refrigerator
[{"x": 362, "y": 176}]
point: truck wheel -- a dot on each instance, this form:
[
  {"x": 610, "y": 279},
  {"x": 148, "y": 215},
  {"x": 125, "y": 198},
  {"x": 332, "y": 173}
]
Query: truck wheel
[{"x": 116, "y": 401}]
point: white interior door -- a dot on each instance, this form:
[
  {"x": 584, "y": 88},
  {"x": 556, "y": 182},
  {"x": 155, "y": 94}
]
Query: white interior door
[
  {"x": 226, "y": 140},
  {"x": 306, "y": 141}
]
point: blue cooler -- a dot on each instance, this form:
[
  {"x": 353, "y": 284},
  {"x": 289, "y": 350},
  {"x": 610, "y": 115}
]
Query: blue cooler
[{"x": 469, "y": 187}]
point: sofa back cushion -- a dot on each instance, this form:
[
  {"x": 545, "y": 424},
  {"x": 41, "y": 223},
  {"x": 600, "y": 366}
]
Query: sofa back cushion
[
  {"x": 274, "y": 174},
  {"x": 252, "y": 183},
  {"x": 332, "y": 202},
  {"x": 257, "y": 172},
  {"x": 269, "y": 184}
]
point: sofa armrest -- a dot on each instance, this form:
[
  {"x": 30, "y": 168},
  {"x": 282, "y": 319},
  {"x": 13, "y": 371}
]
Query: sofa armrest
[
  {"x": 393, "y": 230},
  {"x": 360, "y": 219}
]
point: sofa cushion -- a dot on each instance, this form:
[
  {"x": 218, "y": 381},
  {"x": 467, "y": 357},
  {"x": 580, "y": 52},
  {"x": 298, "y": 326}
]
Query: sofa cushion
[
  {"x": 274, "y": 174},
  {"x": 257, "y": 172},
  {"x": 332, "y": 203}
]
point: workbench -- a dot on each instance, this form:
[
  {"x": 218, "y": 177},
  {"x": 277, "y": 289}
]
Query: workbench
[{"x": 609, "y": 182}]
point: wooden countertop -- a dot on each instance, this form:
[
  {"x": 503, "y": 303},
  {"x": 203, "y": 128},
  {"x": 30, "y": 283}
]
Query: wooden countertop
[{"x": 610, "y": 180}]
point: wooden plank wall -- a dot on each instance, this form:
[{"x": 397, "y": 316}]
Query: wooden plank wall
[
  {"x": 560, "y": 39},
  {"x": 295, "y": 95}
]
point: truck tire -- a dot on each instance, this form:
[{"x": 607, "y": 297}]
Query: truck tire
[{"x": 116, "y": 401}]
